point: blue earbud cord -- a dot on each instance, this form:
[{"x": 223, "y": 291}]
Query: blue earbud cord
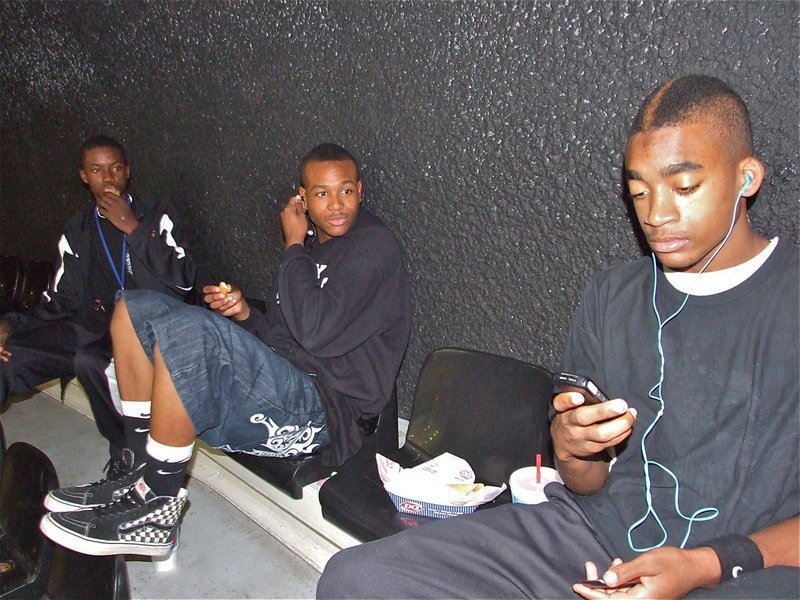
[{"x": 703, "y": 514}]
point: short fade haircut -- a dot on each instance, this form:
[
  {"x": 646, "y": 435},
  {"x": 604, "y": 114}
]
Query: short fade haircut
[
  {"x": 696, "y": 98},
  {"x": 327, "y": 152},
  {"x": 100, "y": 141}
]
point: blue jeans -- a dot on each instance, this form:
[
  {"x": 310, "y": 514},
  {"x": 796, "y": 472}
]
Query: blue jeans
[{"x": 240, "y": 394}]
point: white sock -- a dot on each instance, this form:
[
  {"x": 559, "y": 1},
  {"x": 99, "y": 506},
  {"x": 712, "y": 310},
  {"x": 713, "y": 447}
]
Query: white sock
[
  {"x": 170, "y": 454},
  {"x": 139, "y": 410}
]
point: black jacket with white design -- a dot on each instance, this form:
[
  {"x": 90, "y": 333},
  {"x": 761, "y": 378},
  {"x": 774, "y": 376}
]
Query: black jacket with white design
[{"x": 85, "y": 284}]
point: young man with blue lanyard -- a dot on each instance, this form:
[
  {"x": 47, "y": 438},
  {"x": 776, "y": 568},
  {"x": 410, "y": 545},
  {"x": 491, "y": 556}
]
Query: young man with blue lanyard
[{"x": 121, "y": 242}]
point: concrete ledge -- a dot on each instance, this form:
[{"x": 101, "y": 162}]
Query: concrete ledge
[{"x": 297, "y": 524}]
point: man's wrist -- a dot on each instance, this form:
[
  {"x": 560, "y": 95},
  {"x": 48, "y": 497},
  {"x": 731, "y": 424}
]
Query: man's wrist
[
  {"x": 736, "y": 554},
  {"x": 705, "y": 566},
  {"x": 243, "y": 315}
]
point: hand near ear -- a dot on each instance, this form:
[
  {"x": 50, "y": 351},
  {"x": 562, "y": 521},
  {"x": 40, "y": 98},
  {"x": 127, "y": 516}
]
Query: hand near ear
[{"x": 294, "y": 221}]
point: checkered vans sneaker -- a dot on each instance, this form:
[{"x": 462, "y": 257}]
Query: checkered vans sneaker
[
  {"x": 131, "y": 525},
  {"x": 118, "y": 481}
]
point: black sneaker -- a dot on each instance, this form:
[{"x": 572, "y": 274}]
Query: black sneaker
[
  {"x": 134, "y": 524},
  {"x": 118, "y": 481}
]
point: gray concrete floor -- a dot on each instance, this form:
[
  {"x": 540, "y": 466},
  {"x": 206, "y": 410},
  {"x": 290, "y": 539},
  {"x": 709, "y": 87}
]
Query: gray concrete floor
[{"x": 223, "y": 554}]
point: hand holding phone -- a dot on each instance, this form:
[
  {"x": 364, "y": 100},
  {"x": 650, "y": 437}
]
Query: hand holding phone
[
  {"x": 599, "y": 584},
  {"x": 571, "y": 382}
]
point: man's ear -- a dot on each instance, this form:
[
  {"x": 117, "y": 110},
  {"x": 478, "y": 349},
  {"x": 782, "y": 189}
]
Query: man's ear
[
  {"x": 359, "y": 191},
  {"x": 84, "y": 179},
  {"x": 755, "y": 168},
  {"x": 302, "y": 191}
]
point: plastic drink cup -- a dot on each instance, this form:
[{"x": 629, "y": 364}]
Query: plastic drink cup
[{"x": 525, "y": 490}]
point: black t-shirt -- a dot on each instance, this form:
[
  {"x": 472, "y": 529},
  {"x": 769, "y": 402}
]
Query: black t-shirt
[{"x": 729, "y": 431}]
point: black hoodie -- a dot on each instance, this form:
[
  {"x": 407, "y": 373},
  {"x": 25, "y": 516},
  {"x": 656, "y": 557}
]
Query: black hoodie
[{"x": 341, "y": 311}]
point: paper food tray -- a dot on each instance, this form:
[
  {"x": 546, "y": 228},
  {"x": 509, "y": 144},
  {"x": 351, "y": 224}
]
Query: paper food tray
[{"x": 432, "y": 488}]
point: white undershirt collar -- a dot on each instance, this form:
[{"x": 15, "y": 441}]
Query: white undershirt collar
[{"x": 716, "y": 282}]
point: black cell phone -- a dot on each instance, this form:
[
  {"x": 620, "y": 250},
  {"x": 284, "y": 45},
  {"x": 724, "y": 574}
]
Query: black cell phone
[
  {"x": 570, "y": 382},
  {"x": 599, "y": 584}
]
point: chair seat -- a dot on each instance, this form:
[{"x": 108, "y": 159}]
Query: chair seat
[
  {"x": 289, "y": 475},
  {"x": 489, "y": 410},
  {"x": 354, "y": 499}
]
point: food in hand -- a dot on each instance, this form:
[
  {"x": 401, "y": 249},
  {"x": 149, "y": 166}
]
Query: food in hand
[
  {"x": 225, "y": 288},
  {"x": 112, "y": 190}
]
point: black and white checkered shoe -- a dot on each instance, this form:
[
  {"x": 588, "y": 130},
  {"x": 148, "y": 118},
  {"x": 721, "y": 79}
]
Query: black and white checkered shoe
[
  {"x": 118, "y": 481},
  {"x": 131, "y": 525}
]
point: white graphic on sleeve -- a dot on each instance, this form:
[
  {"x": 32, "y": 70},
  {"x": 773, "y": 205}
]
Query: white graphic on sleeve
[
  {"x": 166, "y": 226},
  {"x": 287, "y": 440},
  {"x": 322, "y": 280},
  {"x": 63, "y": 248}
]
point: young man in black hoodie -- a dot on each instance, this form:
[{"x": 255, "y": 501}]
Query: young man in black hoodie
[
  {"x": 120, "y": 242},
  {"x": 297, "y": 379}
]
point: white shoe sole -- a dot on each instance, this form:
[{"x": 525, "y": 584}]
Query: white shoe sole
[{"x": 78, "y": 543}]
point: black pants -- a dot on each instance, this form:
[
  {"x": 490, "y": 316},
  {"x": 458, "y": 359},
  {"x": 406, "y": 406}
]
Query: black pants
[
  {"x": 512, "y": 551},
  {"x": 61, "y": 349}
]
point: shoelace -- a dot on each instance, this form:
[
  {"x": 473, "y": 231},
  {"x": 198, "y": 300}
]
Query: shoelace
[
  {"x": 123, "y": 504},
  {"x": 114, "y": 469}
]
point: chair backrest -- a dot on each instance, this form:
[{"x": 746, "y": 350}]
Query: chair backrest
[
  {"x": 2, "y": 450},
  {"x": 38, "y": 278},
  {"x": 11, "y": 272},
  {"x": 490, "y": 410}
]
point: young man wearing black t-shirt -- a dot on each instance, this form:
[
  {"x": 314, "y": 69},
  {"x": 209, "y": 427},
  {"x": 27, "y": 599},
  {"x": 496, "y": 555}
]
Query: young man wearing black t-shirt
[{"x": 697, "y": 346}]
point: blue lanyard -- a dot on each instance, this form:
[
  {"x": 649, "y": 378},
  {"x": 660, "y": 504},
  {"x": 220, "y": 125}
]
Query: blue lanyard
[{"x": 118, "y": 275}]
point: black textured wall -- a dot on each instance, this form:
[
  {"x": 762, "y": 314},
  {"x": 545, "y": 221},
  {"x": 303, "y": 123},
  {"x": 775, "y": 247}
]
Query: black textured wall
[{"x": 491, "y": 134}]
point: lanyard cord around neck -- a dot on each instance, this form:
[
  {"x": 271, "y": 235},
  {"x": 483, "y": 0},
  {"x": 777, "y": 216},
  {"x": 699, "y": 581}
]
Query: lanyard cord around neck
[{"x": 118, "y": 275}]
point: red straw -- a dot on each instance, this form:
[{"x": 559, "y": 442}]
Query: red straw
[{"x": 538, "y": 468}]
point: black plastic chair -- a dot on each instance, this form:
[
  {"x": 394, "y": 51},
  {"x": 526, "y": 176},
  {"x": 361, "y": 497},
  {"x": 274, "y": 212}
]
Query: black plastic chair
[
  {"x": 79, "y": 576},
  {"x": 487, "y": 409},
  {"x": 2, "y": 449},
  {"x": 291, "y": 474},
  {"x": 25, "y": 554},
  {"x": 37, "y": 279},
  {"x": 11, "y": 273}
]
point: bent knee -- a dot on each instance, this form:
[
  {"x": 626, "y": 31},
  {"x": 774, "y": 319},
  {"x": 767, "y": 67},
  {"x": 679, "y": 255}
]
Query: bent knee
[
  {"x": 120, "y": 316},
  {"x": 343, "y": 576}
]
